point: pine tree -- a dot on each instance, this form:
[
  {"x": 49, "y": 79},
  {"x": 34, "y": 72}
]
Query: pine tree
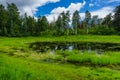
[
  {"x": 58, "y": 25},
  {"x": 3, "y": 21},
  {"x": 44, "y": 23},
  {"x": 24, "y": 26},
  {"x": 76, "y": 21},
  {"x": 116, "y": 20},
  {"x": 38, "y": 25},
  {"x": 13, "y": 22},
  {"x": 107, "y": 20},
  {"x": 94, "y": 20},
  {"x": 87, "y": 20},
  {"x": 62, "y": 26},
  {"x": 31, "y": 25}
]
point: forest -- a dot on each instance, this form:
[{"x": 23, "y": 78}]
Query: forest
[{"x": 14, "y": 25}]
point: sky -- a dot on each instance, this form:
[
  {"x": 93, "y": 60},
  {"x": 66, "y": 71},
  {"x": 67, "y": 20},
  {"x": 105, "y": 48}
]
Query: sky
[{"x": 52, "y": 8}]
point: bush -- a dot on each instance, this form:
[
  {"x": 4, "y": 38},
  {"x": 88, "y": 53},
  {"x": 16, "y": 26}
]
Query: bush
[
  {"x": 47, "y": 33},
  {"x": 82, "y": 31},
  {"x": 102, "y": 30}
]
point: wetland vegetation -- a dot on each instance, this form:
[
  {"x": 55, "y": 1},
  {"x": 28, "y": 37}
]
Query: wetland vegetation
[
  {"x": 26, "y": 64},
  {"x": 31, "y": 49}
]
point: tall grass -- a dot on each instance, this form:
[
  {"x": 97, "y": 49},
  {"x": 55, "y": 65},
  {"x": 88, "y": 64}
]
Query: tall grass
[
  {"x": 16, "y": 69},
  {"x": 74, "y": 57},
  {"x": 91, "y": 58}
]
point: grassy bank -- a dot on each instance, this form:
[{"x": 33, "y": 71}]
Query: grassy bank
[{"x": 7, "y": 44}]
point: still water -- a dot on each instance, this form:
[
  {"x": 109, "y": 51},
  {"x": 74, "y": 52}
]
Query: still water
[{"x": 82, "y": 46}]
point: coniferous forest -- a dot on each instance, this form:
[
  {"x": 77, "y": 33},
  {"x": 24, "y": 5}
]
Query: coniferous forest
[{"x": 14, "y": 25}]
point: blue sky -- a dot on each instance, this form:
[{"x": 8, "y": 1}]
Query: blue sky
[
  {"x": 52, "y": 8},
  {"x": 90, "y": 5}
]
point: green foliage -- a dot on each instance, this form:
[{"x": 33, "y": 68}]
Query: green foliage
[
  {"x": 62, "y": 26},
  {"x": 76, "y": 21},
  {"x": 14, "y": 25},
  {"x": 82, "y": 31},
  {"x": 108, "y": 20},
  {"x": 3, "y": 20},
  {"x": 13, "y": 22},
  {"x": 44, "y": 23},
  {"x": 87, "y": 17},
  {"x": 102, "y": 30},
  {"x": 116, "y": 20}
]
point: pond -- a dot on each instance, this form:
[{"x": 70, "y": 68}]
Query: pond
[{"x": 82, "y": 46}]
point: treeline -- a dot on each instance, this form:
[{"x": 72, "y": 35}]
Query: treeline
[{"x": 14, "y": 25}]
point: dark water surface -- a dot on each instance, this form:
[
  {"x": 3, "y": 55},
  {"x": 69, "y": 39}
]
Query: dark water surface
[{"x": 82, "y": 46}]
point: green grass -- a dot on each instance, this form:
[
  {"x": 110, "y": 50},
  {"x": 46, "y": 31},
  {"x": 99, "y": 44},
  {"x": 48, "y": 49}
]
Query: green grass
[
  {"x": 74, "y": 57},
  {"x": 95, "y": 59},
  {"x": 18, "y": 62},
  {"x": 83, "y": 38},
  {"x": 108, "y": 59},
  {"x": 21, "y": 69}
]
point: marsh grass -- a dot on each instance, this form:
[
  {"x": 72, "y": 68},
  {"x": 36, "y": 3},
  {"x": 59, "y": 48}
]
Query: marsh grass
[
  {"x": 18, "y": 62},
  {"x": 90, "y": 58},
  {"x": 12, "y": 68},
  {"x": 106, "y": 59}
]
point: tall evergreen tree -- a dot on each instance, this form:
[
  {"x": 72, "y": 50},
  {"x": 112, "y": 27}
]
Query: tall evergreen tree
[
  {"x": 116, "y": 20},
  {"x": 58, "y": 25},
  {"x": 44, "y": 23},
  {"x": 76, "y": 21},
  {"x": 87, "y": 20},
  {"x": 38, "y": 26},
  {"x": 87, "y": 16},
  {"x": 31, "y": 25},
  {"x": 107, "y": 20},
  {"x": 65, "y": 21},
  {"x": 94, "y": 20},
  {"x": 62, "y": 26},
  {"x": 24, "y": 26},
  {"x": 3, "y": 21},
  {"x": 13, "y": 22}
]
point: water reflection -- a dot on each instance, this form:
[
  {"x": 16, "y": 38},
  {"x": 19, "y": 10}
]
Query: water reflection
[{"x": 82, "y": 46}]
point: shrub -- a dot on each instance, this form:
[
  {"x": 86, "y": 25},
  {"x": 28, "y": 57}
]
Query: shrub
[{"x": 102, "y": 30}]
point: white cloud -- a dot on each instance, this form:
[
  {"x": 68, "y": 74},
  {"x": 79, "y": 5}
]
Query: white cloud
[
  {"x": 101, "y": 12},
  {"x": 52, "y": 17},
  {"x": 72, "y": 7},
  {"x": 91, "y": 5},
  {"x": 58, "y": 10},
  {"x": 28, "y": 6},
  {"x": 82, "y": 15}
]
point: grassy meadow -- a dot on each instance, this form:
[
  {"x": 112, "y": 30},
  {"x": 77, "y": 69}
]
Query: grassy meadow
[{"x": 18, "y": 62}]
